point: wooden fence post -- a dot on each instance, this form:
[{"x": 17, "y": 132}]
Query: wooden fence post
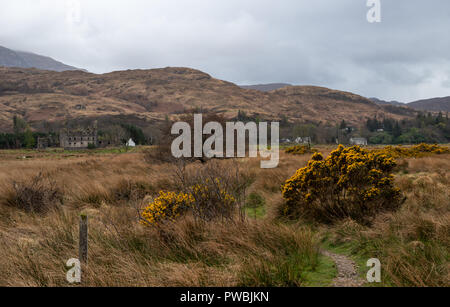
[{"x": 83, "y": 249}]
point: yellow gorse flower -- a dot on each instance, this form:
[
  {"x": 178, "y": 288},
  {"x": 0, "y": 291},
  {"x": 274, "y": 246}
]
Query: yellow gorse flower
[
  {"x": 347, "y": 177},
  {"x": 168, "y": 206},
  {"x": 415, "y": 151},
  {"x": 299, "y": 150}
]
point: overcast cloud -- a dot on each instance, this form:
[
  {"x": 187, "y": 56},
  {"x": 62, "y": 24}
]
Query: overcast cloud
[{"x": 307, "y": 42}]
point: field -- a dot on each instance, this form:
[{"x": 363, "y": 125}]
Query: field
[{"x": 112, "y": 187}]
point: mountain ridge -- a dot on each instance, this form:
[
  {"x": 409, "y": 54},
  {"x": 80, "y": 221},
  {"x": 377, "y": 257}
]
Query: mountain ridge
[
  {"x": 24, "y": 59},
  {"x": 152, "y": 95},
  {"x": 265, "y": 87},
  {"x": 384, "y": 102},
  {"x": 438, "y": 104}
]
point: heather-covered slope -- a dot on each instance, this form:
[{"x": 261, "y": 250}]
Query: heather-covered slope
[{"x": 150, "y": 95}]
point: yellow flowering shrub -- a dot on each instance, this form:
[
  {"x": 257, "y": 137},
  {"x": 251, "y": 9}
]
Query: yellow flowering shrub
[
  {"x": 167, "y": 207},
  {"x": 211, "y": 200},
  {"x": 415, "y": 151},
  {"x": 206, "y": 201},
  {"x": 351, "y": 182},
  {"x": 300, "y": 150}
]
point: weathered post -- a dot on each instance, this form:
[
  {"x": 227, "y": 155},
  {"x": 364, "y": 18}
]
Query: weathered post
[{"x": 83, "y": 249}]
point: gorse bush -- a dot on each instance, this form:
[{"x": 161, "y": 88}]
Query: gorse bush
[
  {"x": 211, "y": 199},
  {"x": 415, "y": 151},
  {"x": 300, "y": 150},
  {"x": 351, "y": 182},
  {"x": 208, "y": 192},
  {"x": 167, "y": 207},
  {"x": 204, "y": 201},
  {"x": 219, "y": 189}
]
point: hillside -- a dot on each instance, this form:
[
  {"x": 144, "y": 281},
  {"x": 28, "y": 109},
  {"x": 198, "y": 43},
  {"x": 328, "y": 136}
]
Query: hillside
[
  {"x": 430, "y": 105},
  {"x": 433, "y": 104},
  {"x": 265, "y": 87},
  {"x": 11, "y": 58},
  {"x": 145, "y": 96},
  {"x": 384, "y": 102}
]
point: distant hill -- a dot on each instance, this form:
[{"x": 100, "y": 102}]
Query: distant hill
[
  {"x": 12, "y": 58},
  {"x": 383, "y": 102},
  {"x": 433, "y": 104},
  {"x": 145, "y": 96},
  {"x": 265, "y": 87}
]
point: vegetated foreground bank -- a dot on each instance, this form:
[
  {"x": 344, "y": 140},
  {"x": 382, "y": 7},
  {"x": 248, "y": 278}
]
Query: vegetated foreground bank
[{"x": 42, "y": 197}]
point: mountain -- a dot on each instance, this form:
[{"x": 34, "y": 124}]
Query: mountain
[
  {"x": 383, "y": 102},
  {"x": 430, "y": 105},
  {"x": 433, "y": 104},
  {"x": 148, "y": 96},
  {"x": 11, "y": 58},
  {"x": 265, "y": 87}
]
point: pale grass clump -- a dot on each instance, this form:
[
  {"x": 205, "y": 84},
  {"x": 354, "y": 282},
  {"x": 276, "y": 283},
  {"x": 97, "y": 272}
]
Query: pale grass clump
[{"x": 38, "y": 194}]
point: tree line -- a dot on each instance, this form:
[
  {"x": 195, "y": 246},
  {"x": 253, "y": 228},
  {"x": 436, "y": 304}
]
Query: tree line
[
  {"x": 424, "y": 128},
  {"x": 23, "y": 137}
]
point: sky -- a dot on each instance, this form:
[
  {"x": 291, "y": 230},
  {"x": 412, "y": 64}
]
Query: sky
[{"x": 329, "y": 43}]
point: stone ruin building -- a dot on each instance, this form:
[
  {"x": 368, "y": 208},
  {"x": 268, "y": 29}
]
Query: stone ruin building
[
  {"x": 80, "y": 138},
  {"x": 42, "y": 143}
]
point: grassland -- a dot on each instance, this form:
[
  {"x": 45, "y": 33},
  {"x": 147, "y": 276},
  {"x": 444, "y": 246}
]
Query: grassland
[{"x": 112, "y": 186}]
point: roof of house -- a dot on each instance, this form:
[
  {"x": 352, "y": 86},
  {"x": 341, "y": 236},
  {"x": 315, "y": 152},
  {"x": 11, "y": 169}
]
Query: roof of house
[{"x": 78, "y": 131}]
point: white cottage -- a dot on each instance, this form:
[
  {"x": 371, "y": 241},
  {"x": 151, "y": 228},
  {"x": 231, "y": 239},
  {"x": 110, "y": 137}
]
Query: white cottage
[
  {"x": 131, "y": 143},
  {"x": 359, "y": 141},
  {"x": 303, "y": 140}
]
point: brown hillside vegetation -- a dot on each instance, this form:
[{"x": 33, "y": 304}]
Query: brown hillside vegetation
[{"x": 150, "y": 95}]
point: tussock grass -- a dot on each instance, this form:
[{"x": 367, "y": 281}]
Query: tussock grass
[
  {"x": 36, "y": 195},
  {"x": 188, "y": 253},
  {"x": 412, "y": 243},
  {"x": 112, "y": 190}
]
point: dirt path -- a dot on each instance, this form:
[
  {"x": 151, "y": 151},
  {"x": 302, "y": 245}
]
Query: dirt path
[{"x": 347, "y": 271}]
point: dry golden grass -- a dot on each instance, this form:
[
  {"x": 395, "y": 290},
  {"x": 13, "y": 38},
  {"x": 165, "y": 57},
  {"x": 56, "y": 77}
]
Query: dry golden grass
[
  {"x": 412, "y": 243},
  {"x": 111, "y": 189},
  {"x": 122, "y": 253}
]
